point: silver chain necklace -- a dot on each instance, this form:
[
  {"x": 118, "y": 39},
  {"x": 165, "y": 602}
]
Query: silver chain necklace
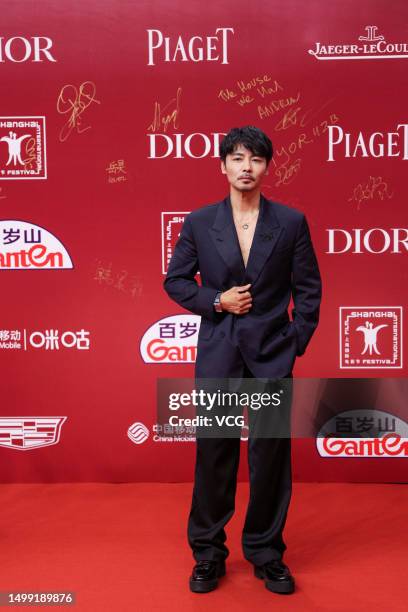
[{"x": 245, "y": 225}]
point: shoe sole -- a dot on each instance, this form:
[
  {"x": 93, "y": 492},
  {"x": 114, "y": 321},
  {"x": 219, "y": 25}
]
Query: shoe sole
[
  {"x": 276, "y": 586},
  {"x": 205, "y": 586}
]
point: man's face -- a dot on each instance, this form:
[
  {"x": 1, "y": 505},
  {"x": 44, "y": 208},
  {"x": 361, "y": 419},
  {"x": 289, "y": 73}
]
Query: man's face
[{"x": 244, "y": 169}]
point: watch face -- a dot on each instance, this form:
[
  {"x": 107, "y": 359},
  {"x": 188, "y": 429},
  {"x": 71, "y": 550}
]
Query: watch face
[{"x": 217, "y": 303}]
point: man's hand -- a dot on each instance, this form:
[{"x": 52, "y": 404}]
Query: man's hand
[{"x": 237, "y": 300}]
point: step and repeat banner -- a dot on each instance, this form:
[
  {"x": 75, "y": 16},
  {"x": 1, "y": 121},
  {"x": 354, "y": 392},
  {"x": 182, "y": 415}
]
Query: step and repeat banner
[{"x": 112, "y": 114}]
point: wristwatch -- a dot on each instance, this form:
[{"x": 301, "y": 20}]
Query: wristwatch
[{"x": 217, "y": 302}]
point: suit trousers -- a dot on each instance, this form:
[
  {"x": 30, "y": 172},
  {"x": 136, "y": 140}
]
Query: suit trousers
[{"x": 213, "y": 499}]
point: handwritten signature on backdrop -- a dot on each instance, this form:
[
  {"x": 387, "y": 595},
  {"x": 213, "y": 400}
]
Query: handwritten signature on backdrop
[
  {"x": 374, "y": 188},
  {"x": 73, "y": 102},
  {"x": 162, "y": 119},
  {"x": 288, "y": 113},
  {"x": 122, "y": 281},
  {"x": 117, "y": 171}
]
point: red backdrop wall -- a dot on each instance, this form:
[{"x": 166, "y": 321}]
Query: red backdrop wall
[{"x": 119, "y": 144}]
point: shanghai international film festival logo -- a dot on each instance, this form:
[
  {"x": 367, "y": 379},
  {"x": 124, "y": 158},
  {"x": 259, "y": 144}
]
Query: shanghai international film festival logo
[
  {"x": 172, "y": 222},
  {"x": 27, "y": 433},
  {"x": 369, "y": 46},
  {"x": 22, "y": 148},
  {"x": 25, "y": 246},
  {"x": 370, "y": 337}
]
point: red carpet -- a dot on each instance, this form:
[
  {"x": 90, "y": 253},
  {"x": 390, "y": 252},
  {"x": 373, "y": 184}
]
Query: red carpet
[{"x": 123, "y": 548}]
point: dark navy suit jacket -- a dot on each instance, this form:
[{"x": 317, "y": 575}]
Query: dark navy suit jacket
[{"x": 281, "y": 264}]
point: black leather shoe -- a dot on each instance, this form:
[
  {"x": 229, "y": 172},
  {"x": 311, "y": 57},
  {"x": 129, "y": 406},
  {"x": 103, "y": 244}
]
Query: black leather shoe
[
  {"x": 277, "y": 576},
  {"x": 205, "y": 576}
]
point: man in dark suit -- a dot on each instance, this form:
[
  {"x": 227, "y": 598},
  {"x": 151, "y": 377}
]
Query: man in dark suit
[{"x": 253, "y": 254}]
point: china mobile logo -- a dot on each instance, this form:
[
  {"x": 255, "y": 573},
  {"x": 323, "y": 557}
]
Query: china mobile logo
[
  {"x": 180, "y": 433},
  {"x": 171, "y": 222},
  {"x": 173, "y": 433},
  {"x": 27, "y": 433},
  {"x": 370, "y": 337},
  {"x": 49, "y": 339},
  {"x": 22, "y": 148},
  {"x": 179, "y": 146},
  {"x": 363, "y": 433},
  {"x": 171, "y": 340},
  {"x": 195, "y": 49},
  {"x": 138, "y": 433},
  {"x": 18, "y": 49},
  {"x": 369, "y": 46},
  {"x": 25, "y": 246}
]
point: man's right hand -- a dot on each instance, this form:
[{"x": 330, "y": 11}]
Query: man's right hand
[{"x": 237, "y": 300}]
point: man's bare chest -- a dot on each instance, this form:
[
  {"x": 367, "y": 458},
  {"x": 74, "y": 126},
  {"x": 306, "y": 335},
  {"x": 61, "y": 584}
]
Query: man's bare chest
[{"x": 245, "y": 238}]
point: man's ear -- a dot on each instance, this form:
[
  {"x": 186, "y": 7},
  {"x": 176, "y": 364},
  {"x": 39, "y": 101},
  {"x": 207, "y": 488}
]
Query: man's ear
[{"x": 223, "y": 168}]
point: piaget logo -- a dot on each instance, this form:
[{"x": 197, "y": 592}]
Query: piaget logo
[
  {"x": 183, "y": 49},
  {"x": 370, "y": 46}
]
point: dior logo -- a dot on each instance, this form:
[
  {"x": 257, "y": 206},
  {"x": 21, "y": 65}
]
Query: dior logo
[
  {"x": 179, "y": 146},
  {"x": 375, "y": 240},
  {"x": 19, "y": 49}
]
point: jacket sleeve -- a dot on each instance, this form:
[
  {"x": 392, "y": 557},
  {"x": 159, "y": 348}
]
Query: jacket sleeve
[
  {"x": 180, "y": 283},
  {"x": 306, "y": 287}
]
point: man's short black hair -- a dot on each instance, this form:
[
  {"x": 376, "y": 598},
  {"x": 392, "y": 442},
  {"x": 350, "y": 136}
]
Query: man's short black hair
[{"x": 250, "y": 137}]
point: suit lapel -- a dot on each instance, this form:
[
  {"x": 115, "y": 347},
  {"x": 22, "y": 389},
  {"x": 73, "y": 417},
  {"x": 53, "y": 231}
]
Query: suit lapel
[{"x": 225, "y": 240}]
